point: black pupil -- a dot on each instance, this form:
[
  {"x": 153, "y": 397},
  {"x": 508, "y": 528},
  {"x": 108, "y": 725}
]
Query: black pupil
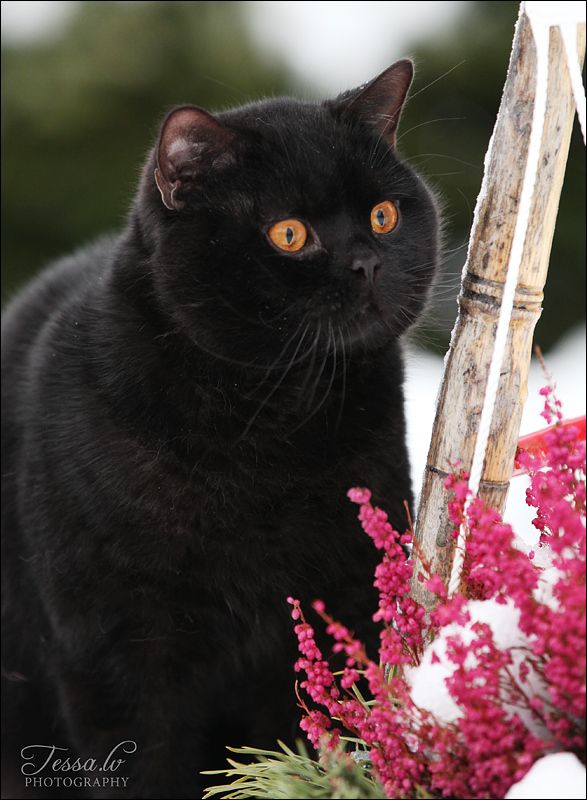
[
  {"x": 380, "y": 217},
  {"x": 289, "y": 235}
]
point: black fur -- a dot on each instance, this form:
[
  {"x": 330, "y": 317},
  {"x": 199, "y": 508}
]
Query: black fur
[{"x": 184, "y": 409}]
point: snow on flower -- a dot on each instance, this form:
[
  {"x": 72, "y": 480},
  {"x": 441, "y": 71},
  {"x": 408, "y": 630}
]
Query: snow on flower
[
  {"x": 558, "y": 776},
  {"x": 429, "y": 681},
  {"x": 464, "y": 700}
]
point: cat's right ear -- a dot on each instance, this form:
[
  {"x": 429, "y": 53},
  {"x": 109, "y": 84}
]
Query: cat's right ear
[{"x": 191, "y": 142}]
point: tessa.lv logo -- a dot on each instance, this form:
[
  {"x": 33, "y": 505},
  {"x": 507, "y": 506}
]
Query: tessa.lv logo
[{"x": 50, "y": 766}]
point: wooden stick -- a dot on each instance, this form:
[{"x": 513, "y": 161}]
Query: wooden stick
[{"x": 465, "y": 376}]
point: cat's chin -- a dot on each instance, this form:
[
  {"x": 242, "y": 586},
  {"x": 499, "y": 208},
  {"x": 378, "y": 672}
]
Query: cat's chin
[{"x": 368, "y": 329}]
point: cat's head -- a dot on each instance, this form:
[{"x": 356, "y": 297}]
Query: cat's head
[{"x": 289, "y": 221}]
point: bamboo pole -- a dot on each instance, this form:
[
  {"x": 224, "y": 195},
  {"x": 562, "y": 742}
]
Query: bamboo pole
[{"x": 467, "y": 364}]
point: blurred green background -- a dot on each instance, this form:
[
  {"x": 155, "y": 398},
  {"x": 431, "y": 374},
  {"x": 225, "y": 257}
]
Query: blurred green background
[{"x": 81, "y": 107}]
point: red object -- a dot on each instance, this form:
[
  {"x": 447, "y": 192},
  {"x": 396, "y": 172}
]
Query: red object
[{"x": 535, "y": 443}]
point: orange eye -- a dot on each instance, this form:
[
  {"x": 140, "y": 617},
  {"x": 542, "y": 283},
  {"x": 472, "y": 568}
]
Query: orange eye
[
  {"x": 384, "y": 217},
  {"x": 288, "y": 235}
]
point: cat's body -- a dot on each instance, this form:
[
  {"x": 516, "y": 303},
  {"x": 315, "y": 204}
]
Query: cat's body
[{"x": 184, "y": 411}]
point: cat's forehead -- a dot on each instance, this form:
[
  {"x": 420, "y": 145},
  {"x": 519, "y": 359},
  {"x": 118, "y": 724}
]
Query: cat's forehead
[
  {"x": 302, "y": 155},
  {"x": 290, "y": 127}
]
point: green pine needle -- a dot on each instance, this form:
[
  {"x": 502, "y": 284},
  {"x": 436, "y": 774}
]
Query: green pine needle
[{"x": 288, "y": 774}]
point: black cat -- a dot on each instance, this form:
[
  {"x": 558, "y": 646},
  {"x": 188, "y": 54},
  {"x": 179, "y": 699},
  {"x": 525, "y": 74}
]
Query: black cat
[{"x": 184, "y": 409}]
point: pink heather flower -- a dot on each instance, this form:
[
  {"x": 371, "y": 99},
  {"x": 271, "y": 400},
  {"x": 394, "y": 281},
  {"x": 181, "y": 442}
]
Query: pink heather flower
[
  {"x": 490, "y": 744},
  {"x": 437, "y": 586},
  {"x": 360, "y": 496},
  {"x": 316, "y": 726}
]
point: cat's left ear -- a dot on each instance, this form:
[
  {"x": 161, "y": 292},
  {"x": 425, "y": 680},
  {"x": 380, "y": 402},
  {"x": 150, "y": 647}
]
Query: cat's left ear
[
  {"x": 191, "y": 143},
  {"x": 379, "y": 103}
]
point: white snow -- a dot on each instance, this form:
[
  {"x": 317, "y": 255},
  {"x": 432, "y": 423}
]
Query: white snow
[
  {"x": 558, "y": 776},
  {"x": 428, "y": 680},
  {"x": 555, "y": 13}
]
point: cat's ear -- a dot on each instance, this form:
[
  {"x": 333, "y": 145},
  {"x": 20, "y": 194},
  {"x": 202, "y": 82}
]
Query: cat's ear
[
  {"x": 379, "y": 103},
  {"x": 191, "y": 142}
]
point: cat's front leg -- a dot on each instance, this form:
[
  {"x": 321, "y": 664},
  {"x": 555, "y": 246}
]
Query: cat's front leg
[
  {"x": 140, "y": 730},
  {"x": 150, "y": 697}
]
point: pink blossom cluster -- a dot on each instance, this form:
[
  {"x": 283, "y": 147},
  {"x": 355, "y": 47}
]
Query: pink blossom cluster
[
  {"x": 558, "y": 630},
  {"x": 402, "y": 634},
  {"x": 490, "y": 745}
]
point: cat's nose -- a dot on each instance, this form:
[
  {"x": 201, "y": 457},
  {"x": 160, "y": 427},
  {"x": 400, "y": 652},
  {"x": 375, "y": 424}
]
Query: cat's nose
[{"x": 366, "y": 263}]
